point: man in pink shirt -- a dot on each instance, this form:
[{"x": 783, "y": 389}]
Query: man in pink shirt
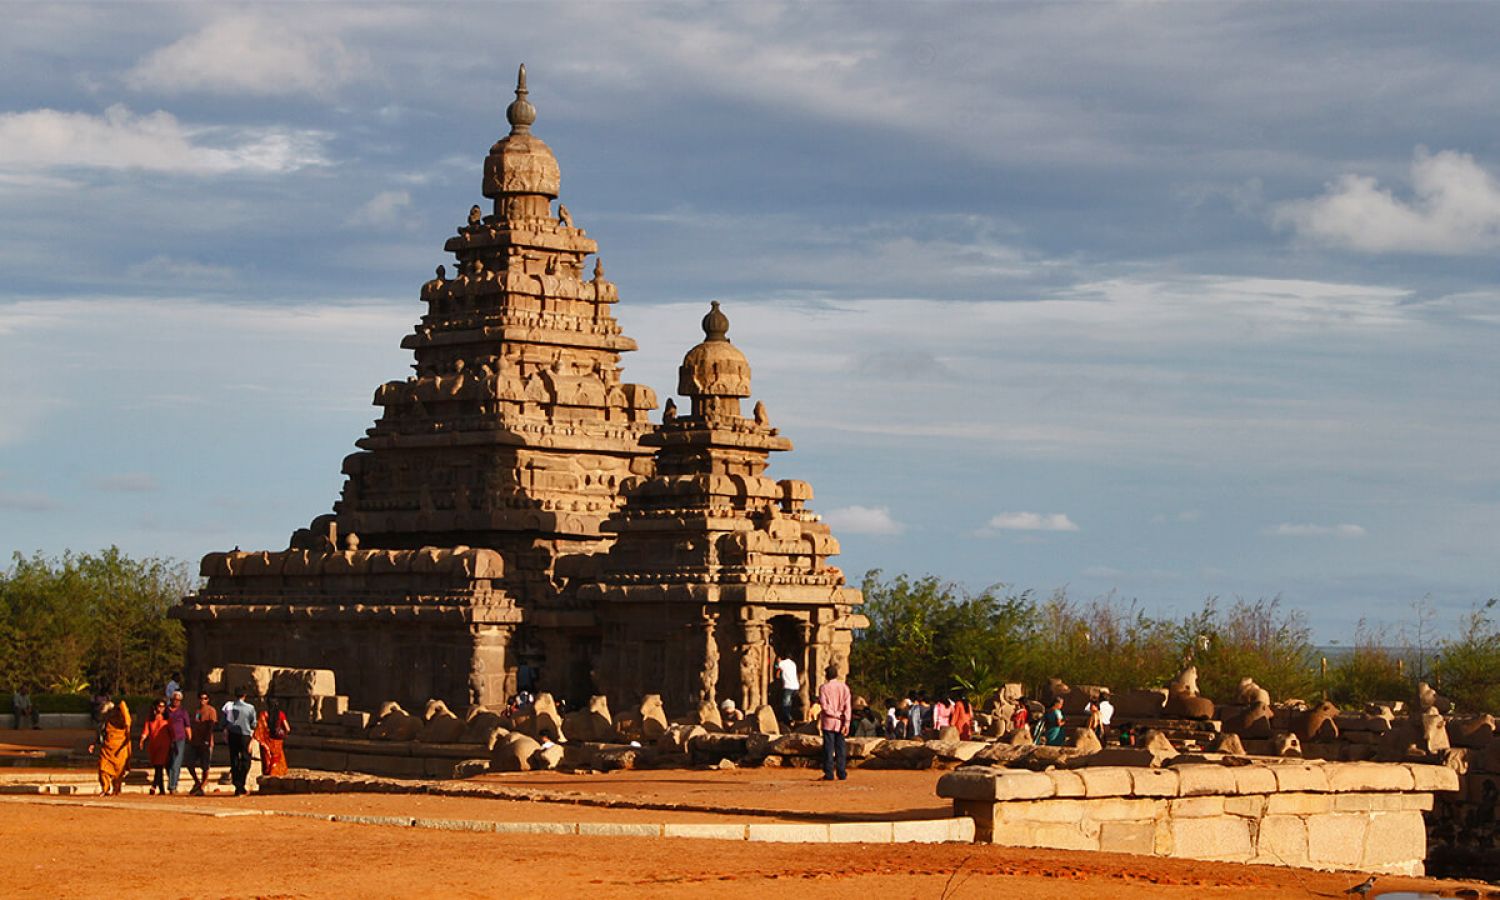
[{"x": 837, "y": 709}]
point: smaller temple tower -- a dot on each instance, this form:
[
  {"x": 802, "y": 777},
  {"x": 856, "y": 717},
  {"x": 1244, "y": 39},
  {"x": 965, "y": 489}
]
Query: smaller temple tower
[{"x": 716, "y": 566}]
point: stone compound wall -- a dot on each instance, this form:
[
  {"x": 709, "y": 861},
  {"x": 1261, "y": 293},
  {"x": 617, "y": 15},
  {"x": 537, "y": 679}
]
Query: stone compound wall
[{"x": 1362, "y": 816}]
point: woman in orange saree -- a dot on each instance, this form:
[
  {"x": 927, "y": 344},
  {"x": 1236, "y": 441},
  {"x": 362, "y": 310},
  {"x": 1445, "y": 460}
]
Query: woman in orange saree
[
  {"x": 271, "y": 729},
  {"x": 113, "y": 747}
]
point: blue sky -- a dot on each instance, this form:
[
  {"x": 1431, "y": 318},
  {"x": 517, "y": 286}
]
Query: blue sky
[{"x": 1158, "y": 300}]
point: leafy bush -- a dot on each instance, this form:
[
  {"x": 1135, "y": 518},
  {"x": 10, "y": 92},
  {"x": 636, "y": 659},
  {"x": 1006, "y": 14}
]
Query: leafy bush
[
  {"x": 1467, "y": 668},
  {"x": 1252, "y": 640},
  {"x": 1369, "y": 671},
  {"x": 91, "y": 618}
]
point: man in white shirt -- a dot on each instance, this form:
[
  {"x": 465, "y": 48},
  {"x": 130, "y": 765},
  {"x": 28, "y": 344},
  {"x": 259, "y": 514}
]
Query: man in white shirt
[
  {"x": 174, "y": 684},
  {"x": 786, "y": 670},
  {"x": 1106, "y": 712},
  {"x": 238, "y": 721}
]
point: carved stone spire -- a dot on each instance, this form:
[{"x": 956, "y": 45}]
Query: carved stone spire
[
  {"x": 520, "y": 114},
  {"x": 715, "y": 324}
]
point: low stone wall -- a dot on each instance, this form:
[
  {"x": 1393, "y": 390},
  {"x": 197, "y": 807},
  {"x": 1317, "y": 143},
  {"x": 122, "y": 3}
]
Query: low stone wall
[{"x": 1364, "y": 816}]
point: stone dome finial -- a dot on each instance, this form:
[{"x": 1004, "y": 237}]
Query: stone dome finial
[
  {"x": 715, "y": 324},
  {"x": 520, "y": 114}
]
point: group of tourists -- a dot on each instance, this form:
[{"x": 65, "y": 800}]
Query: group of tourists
[
  {"x": 916, "y": 716},
  {"x": 172, "y": 737}
]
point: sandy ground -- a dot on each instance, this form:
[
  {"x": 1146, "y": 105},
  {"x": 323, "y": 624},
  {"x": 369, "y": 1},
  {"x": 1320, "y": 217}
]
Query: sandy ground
[
  {"x": 75, "y": 850},
  {"x": 74, "y": 847}
]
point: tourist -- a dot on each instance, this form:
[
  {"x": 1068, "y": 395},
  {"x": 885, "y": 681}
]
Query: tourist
[
  {"x": 962, "y": 718},
  {"x": 174, "y": 684},
  {"x": 865, "y": 722},
  {"x": 836, "y": 709},
  {"x": 1052, "y": 724},
  {"x": 271, "y": 730},
  {"x": 903, "y": 721},
  {"x": 237, "y": 718},
  {"x": 729, "y": 714},
  {"x": 915, "y": 716},
  {"x": 786, "y": 671},
  {"x": 156, "y": 740},
  {"x": 101, "y": 699},
  {"x": 942, "y": 713},
  {"x": 201, "y": 743},
  {"x": 1092, "y": 722},
  {"x": 180, "y": 721},
  {"x": 21, "y": 708},
  {"x": 1021, "y": 717},
  {"x": 1106, "y": 713},
  {"x": 890, "y": 717},
  {"x": 112, "y": 743}
]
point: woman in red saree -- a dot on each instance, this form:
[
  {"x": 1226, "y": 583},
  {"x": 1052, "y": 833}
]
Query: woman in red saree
[
  {"x": 271, "y": 729},
  {"x": 156, "y": 740},
  {"x": 962, "y": 718},
  {"x": 113, "y": 746}
]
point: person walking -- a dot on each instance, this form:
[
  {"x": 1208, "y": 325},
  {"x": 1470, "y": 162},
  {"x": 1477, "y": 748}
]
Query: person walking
[
  {"x": 786, "y": 671},
  {"x": 237, "y": 718},
  {"x": 963, "y": 718},
  {"x": 112, "y": 743},
  {"x": 1052, "y": 724},
  {"x": 174, "y": 684},
  {"x": 156, "y": 740},
  {"x": 836, "y": 709},
  {"x": 21, "y": 708},
  {"x": 271, "y": 730},
  {"x": 201, "y": 743},
  {"x": 180, "y": 723}
]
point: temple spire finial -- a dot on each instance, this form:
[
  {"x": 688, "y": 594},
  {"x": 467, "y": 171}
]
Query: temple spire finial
[
  {"x": 715, "y": 324},
  {"x": 520, "y": 113}
]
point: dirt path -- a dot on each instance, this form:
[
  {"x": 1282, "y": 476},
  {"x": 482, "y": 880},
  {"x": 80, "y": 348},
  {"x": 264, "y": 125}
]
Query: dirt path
[{"x": 76, "y": 850}]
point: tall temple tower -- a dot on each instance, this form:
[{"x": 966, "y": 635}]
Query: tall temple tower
[
  {"x": 469, "y": 553},
  {"x": 509, "y": 443},
  {"x": 718, "y": 567}
]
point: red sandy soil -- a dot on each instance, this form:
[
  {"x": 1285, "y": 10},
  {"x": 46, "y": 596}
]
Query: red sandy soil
[{"x": 75, "y": 850}]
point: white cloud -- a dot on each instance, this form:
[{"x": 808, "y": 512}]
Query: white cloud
[
  {"x": 1454, "y": 208},
  {"x": 43, "y": 139},
  {"x": 383, "y": 210},
  {"x": 863, "y": 520},
  {"x": 29, "y": 501},
  {"x": 1030, "y": 521},
  {"x": 170, "y": 268},
  {"x": 1291, "y": 529},
  {"x": 248, "y": 54},
  {"x": 128, "y": 483}
]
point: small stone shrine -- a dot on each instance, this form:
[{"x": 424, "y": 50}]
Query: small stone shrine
[{"x": 470, "y": 554}]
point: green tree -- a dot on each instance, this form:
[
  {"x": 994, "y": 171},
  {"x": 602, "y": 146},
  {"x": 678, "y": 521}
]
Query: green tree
[
  {"x": 1369, "y": 671},
  {"x": 1467, "y": 668},
  {"x": 1256, "y": 640},
  {"x": 90, "y": 617}
]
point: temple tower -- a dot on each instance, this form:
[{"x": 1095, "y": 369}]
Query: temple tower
[
  {"x": 716, "y": 565},
  {"x": 444, "y": 569}
]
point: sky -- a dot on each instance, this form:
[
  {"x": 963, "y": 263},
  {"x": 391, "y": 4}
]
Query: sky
[{"x": 1147, "y": 301}]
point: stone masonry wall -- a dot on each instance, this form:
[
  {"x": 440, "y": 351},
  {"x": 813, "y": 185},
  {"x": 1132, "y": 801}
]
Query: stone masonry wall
[{"x": 1363, "y": 816}]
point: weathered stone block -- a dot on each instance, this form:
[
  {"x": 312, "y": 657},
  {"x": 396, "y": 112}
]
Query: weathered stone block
[
  {"x": 1248, "y": 805},
  {"x": 1197, "y": 807},
  {"x": 1201, "y": 780},
  {"x": 1218, "y": 838},
  {"x": 1013, "y": 785},
  {"x": 1394, "y": 841},
  {"x": 1255, "y": 780},
  {"x": 787, "y": 832},
  {"x": 1128, "y": 837},
  {"x": 1369, "y": 777},
  {"x": 1433, "y": 778},
  {"x": 859, "y": 832},
  {"x": 1067, "y": 784},
  {"x": 1294, "y": 777},
  {"x": 1041, "y": 811},
  {"x": 1105, "y": 782},
  {"x": 1153, "y": 782},
  {"x": 1282, "y": 841},
  {"x": 1114, "y": 809},
  {"x": 1297, "y": 804},
  {"x": 708, "y": 831},
  {"x": 1337, "y": 839}
]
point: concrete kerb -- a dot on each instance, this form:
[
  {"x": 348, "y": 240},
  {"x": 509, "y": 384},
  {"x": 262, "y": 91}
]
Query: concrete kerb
[{"x": 960, "y": 829}]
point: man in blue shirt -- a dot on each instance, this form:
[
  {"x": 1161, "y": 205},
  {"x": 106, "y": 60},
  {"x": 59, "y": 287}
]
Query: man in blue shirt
[{"x": 238, "y": 721}]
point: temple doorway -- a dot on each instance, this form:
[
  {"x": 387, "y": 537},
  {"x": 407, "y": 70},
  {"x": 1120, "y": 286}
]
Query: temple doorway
[{"x": 787, "y": 641}]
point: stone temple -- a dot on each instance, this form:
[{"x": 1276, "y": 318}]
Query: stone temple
[{"x": 515, "y": 520}]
